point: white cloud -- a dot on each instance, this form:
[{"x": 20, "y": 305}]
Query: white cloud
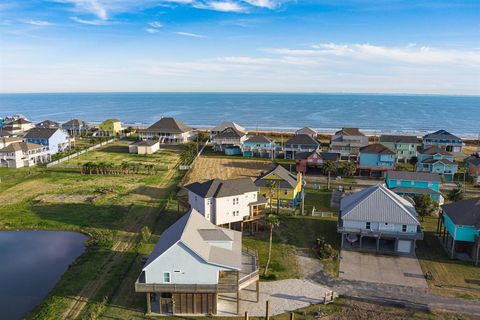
[
  {"x": 156, "y": 24},
  {"x": 91, "y": 22},
  {"x": 39, "y": 23},
  {"x": 270, "y": 4},
  {"x": 188, "y": 34},
  {"x": 151, "y": 30},
  {"x": 223, "y": 6},
  {"x": 95, "y": 7}
]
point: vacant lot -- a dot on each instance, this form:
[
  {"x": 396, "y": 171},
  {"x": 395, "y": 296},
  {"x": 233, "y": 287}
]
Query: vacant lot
[{"x": 206, "y": 168}]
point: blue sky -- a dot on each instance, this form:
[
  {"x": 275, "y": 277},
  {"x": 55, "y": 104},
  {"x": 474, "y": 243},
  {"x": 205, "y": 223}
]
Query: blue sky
[{"x": 240, "y": 45}]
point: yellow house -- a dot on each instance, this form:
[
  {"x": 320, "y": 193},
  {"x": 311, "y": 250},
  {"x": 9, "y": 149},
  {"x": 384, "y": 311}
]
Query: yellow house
[
  {"x": 279, "y": 183},
  {"x": 111, "y": 126}
]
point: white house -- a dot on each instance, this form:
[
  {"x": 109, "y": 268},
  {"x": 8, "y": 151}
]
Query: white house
[
  {"x": 6, "y": 141},
  {"x": 308, "y": 131},
  {"x": 229, "y": 137},
  {"x": 144, "y": 147},
  {"x": 194, "y": 264},
  {"x": 23, "y": 154},
  {"x": 227, "y": 202},
  {"x": 377, "y": 219},
  {"x": 224, "y": 125},
  {"x": 168, "y": 130}
]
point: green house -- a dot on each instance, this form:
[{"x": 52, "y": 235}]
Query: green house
[{"x": 404, "y": 146}]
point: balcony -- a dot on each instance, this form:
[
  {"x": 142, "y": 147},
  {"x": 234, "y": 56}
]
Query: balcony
[{"x": 418, "y": 235}]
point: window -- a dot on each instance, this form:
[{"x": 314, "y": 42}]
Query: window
[
  {"x": 404, "y": 228},
  {"x": 367, "y": 225},
  {"x": 286, "y": 191},
  {"x": 166, "y": 277}
]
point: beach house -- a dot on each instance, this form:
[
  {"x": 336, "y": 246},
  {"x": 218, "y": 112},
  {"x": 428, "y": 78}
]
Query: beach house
[
  {"x": 459, "y": 229},
  {"x": 224, "y": 125},
  {"x": 197, "y": 268},
  {"x": 375, "y": 160},
  {"x": 404, "y": 146},
  {"x": 282, "y": 188},
  {"x": 56, "y": 140},
  {"x": 6, "y": 141},
  {"x": 259, "y": 146},
  {"x": 300, "y": 143},
  {"x": 49, "y": 124},
  {"x": 347, "y": 142},
  {"x": 76, "y": 127},
  {"x": 437, "y": 160},
  {"x": 443, "y": 140},
  {"x": 168, "y": 130},
  {"x": 472, "y": 164},
  {"x": 229, "y": 138},
  {"x": 110, "y": 127},
  {"x": 23, "y": 154},
  {"x": 308, "y": 131},
  {"x": 233, "y": 203},
  {"x": 17, "y": 125},
  {"x": 314, "y": 160},
  {"x": 415, "y": 183},
  {"x": 144, "y": 147},
  {"x": 379, "y": 220}
]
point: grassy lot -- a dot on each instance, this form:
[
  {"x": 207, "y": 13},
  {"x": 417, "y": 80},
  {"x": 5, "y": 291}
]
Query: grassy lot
[
  {"x": 450, "y": 277},
  {"x": 54, "y": 199}
]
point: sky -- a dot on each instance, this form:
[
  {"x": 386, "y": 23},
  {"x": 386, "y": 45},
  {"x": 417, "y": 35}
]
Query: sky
[{"x": 357, "y": 46}]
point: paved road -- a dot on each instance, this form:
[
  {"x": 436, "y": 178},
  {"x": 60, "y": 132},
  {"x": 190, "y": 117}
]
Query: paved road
[{"x": 387, "y": 293}]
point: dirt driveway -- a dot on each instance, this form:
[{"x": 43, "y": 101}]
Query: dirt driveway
[{"x": 404, "y": 271}]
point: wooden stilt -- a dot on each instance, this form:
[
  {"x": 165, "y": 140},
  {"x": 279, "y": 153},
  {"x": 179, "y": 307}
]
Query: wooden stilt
[
  {"x": 149, "y": 305},
  {"x": 258, "y": 291},
  {"x": 267, "y": 310},
  {"x": 292, "y": 316},
  {"x": 246, "y": 315}
]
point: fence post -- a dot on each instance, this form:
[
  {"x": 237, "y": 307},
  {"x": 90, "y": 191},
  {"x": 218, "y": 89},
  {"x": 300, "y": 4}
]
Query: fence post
[
  {"x": 246, "y": 315},
  {"x": 292, "y": 316},
  {"x": 267, "y": 311}
]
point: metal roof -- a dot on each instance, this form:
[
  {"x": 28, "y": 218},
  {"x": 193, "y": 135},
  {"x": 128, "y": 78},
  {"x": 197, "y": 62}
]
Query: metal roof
[
  {"x": 258, "y": 139},
  {"x": 188, "y": 231},
  {"x": 398, "y": 139},
  {"x": 378, "y": 204}
]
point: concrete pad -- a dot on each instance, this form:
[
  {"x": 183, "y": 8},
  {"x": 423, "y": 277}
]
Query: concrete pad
[{"x": 404, "y": 271}]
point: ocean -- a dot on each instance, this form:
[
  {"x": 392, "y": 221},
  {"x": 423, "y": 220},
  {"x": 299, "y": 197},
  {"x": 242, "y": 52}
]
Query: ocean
[{"x": 374, "y": 113}]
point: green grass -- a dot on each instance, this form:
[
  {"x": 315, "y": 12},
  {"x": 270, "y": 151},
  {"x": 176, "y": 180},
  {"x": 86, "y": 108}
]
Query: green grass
[{"x": 450, "y": 277}]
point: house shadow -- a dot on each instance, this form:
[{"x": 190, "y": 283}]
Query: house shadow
[
  {"x": 115, "y": 149},
  {"x": 152, "y": 192},
  {"x": 248, "y": 165},
  {"x": 305, "y": 299}
]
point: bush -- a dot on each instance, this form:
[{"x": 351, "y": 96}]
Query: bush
[
  {"x": 99, "y": 238},
  {"x": 146, "y": 233},
  {"x": 269, "y": 277}
]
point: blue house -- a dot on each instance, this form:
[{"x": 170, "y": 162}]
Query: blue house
[
  {"x": 443, "y": 140},
  {"x": 437, "y": 160},
  {"x": 376, "y": 159},
  {"x": 415, "y": 183},
  {"x": 56, "y": 140},
  {"x": 259, "y": 146},
  {"x": 459, "y": 229}
]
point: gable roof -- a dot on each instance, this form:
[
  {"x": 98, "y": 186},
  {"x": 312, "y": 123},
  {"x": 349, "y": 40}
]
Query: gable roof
[
  {"x": 399, "y": 139},
  {"x": 434, "y": 150},
  {"x": 302, "y": 139},
  {"x": 192, "y": 231},
  {"x": 40, "y": 133},
  {"x": 230, "y": 133},
  {"x": 441, "y": 134},
  {"x": 217, "y": 188},
  {"x": 464, "y": 212},
  {"x": 75, "y": 123},
  {"x": 306, "y": 130},
  {"x": 378, "y": 204},
  {"x": 169, "y": 125},
  {"x": 228, "y": 124},
  {"x": 473, "y": 160},
  {"x": 413, "y": 176},
  {"x": 21, "y": 146},
  {"x": 327, "y": 156},
  {"x": 48, "y": 124},
  {"x": 289, "y": 180},
  {"x": 18, "y": 121},
  {"x": 258, "y": 139},
  {"x": 349, "y": 132},
  {"x": 376, "y": 148}
]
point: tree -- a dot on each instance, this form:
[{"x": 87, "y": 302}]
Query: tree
[
  {"x": 328, "y": 168},
  {"x": 413, "y": 161},
  {"x": 272, "y": 221},
  {"x": 271, "y": 192},
  {"x": 348, "y": 168},
  {"x": 424, "y": 205},
  {"x": 456, "y": 194}
]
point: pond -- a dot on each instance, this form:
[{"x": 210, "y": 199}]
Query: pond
[{"x": 31, "y": 263}]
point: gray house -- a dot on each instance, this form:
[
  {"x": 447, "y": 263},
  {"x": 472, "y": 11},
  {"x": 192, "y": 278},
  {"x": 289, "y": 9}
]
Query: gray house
[
  {"x": 377, "y": 219},
  {"x": 348, "y": 142},
  {"x": 197, "y": 268},
  {"x": 300, "y": 143},
  {"x": 168, "y": 130}
]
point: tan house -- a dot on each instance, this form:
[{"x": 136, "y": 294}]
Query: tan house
[
  {"x": 18, "y": 126},
  {"x": 144, "y": 147},
  {"x": 6, "y": 141},
  {"x": 23, "y": 154}
]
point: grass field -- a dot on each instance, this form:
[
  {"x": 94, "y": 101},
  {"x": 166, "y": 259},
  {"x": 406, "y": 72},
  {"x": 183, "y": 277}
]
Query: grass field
[{"x": 450, "y": 277}]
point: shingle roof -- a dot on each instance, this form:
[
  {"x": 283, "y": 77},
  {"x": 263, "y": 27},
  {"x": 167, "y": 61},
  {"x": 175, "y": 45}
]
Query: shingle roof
[
  {"x": 464, "y": 212},
  {"x": 306, "y": 130},
  {"x": 378, "y": 204},
  {"x": 228, "y": 124},
  {"x": 24, "y": 146},
  {"x": 75, "y": 123},
  {"x": 434, "y": 150},
  {"x": 218, "y": 188},
  {"x": 302, "y": 139},
  {"x": 473, "y": 160},
  {"x": 169, "y": 125},
  {"x": 330, "y": 156},
  {"x": 414, "y": 176},
  {"x": 230, "y": 133},
  {"x": 191, "y": 231},
  {"x": 40, "y": 133},
  {"x": 398, "y": 139},
  {"x": 48, "y": 124},
  {"x": 444, "y": 161},
  {"x": 19, "y": 121},
  {"x": 376, "y": 148},
  {"x": 258, "y": 139},
  {"x": 349, "y": 132},
  {"x": 289, "y": 180},
  {"x": 441, "y": 134}
]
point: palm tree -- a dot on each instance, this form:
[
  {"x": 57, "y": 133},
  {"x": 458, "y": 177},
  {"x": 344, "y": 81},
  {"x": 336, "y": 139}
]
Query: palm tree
[
  {"x": 272, "y": 221},
  {"x": 329, "y": 167},
  {"x": 271, "y": 192},
  {"x": 349, "y": 168}
]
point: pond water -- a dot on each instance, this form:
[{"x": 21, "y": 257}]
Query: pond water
[{"x": 31, "y": 263}]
